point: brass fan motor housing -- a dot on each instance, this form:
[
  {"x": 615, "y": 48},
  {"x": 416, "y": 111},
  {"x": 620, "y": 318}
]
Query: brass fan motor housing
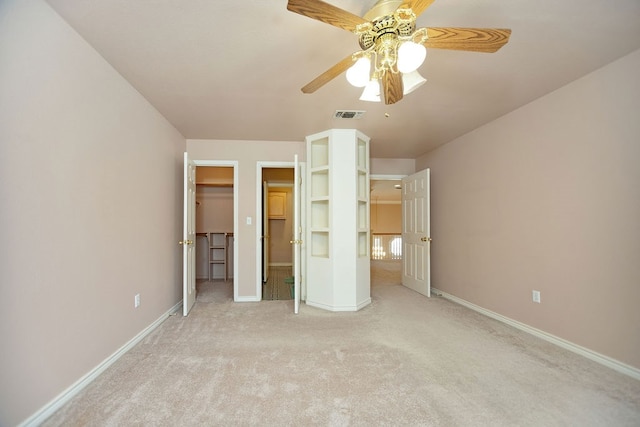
[{"x": 397, "y": 25}]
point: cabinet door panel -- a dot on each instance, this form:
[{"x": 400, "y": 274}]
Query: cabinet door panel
[{"x": 277, "y": 205}]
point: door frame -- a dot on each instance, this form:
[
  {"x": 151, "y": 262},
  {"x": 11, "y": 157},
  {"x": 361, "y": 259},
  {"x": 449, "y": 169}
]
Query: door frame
[
  {"x": 260, "y": 165},
  {"x": 234, "y": 164}
]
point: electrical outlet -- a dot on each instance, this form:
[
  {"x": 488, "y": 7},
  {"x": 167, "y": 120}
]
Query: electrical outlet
[
  {"x": 536, "y": 296},
  {"x": 136, "y": 301}
]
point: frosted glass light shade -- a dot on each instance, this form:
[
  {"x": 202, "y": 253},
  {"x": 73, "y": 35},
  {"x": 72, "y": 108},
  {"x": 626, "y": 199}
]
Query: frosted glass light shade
[
  {"x": 371, "y": 92},
  {"x": 358, "y": 73},
  {"x": 412, "y": 81},
  {"x": 410, "y": 56}
]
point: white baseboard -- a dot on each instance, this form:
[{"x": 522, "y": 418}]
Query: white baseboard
[
  {"x": 47, "y": 410},
  {"x": 247, "y": 299},
  {"x": 582, "y": 351},
  {"x": 339, "y": 308}
]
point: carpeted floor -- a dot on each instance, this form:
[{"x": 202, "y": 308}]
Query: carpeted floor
[
  {"x": 405, "y": 360},
  {"x": 276, "y": 288}
]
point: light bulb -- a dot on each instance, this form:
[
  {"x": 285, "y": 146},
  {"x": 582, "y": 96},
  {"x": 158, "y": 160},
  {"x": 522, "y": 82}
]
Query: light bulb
[
  {"x": 410, "y": 56},
  {"x": 412, "y": 81},
  {"x": 371, "y": 91},
  {"x": 358, "y": 73}
]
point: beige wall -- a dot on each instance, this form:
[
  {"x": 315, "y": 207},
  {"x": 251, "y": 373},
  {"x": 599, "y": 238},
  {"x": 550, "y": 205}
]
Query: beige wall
[
  {"x": 548, "y": 198},
  {"x": 386, "y": 218},
  {"x": 90, "y": 189},
  {"x": 215, "y": 211},
  {"x": 214, "y": 175},
  {"x": 392, "y": 166},
  {"x": 247, "y": 154}
]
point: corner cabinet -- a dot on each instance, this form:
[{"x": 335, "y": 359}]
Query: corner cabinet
[{"x": 338, "y": 259}]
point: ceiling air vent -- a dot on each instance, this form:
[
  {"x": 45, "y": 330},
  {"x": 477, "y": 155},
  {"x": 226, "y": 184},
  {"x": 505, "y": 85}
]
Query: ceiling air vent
[{"x": 348, "y": 114}]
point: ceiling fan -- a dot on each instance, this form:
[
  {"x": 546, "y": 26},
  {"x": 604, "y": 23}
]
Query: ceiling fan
[{"x": 392, "y": 48}]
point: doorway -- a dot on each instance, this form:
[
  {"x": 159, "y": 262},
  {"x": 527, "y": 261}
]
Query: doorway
[
  {"x": 408, "y": 252},
  {"x": 386, "y": 227},
  {"x": 277, "y": 232},
  {"x": 386, "y": 218},
  {"x": 216, "y": 227}
]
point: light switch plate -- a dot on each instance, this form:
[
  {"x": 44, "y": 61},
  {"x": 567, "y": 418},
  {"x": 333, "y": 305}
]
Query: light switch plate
[{"x": 536, "y": 296}]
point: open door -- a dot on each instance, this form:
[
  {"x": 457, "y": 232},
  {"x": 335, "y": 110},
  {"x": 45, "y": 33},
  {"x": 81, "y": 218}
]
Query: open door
[
  {"x": 189, "y": 237},
  {"x": 416, "y": 233},
  {"x": 297, "y": 234}
]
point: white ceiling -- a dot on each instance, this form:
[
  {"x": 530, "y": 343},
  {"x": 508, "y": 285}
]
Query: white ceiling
[{"x": 230, "y": 69}]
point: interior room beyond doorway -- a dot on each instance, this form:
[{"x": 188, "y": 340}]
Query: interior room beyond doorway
[
  {"x": 214, "y": 223},
  {"x": 277, "y": 233},
  {"x": 386, "y": 219}
]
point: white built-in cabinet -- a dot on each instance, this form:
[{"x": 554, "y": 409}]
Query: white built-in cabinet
[
  {"x": 277, "y": 205},
  {"x": 338, "y": 259}
]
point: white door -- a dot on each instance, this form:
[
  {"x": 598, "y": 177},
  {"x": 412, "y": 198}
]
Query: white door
[
  {"x": 189, "y": 237},
  {"x": 416, "y": 233},
  {"x": 297, "y": 234},
  {"x": 265, "y": 231}
]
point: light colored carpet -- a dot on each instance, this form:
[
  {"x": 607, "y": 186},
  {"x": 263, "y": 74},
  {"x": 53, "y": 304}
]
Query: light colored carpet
[{"x": 403, "y": 360}]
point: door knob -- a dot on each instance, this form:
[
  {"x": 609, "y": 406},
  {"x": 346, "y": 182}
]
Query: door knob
[
  {"x": 185, "y": 242},
  {"x": 426, "y": 239}
]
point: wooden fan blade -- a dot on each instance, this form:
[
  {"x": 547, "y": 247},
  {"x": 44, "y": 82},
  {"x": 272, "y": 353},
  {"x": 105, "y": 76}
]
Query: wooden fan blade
[
  {"x": 418, "y": 6},
  {"x": 392, "y": 87},
  {"x": 328, "y": 75},
  {"x": 485, "y": 40},
  {"x": 324, "y": 12}
]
